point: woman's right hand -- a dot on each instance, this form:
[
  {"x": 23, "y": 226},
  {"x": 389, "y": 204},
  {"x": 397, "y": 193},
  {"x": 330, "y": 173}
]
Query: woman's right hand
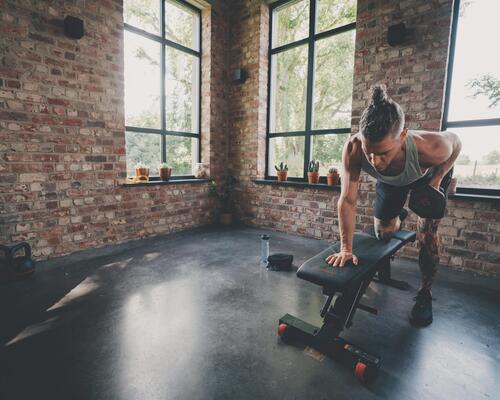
[{"x": 339, "y": 259}]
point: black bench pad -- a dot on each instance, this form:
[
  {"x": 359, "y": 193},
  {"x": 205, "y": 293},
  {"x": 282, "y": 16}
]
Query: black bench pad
[{"x": 369, "y": 250}]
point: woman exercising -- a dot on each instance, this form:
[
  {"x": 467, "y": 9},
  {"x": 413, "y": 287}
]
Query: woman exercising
[{"x": 400, "y": 160}]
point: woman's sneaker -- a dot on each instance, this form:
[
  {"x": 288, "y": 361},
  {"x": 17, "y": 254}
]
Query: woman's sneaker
[{"x": 421, "y": 313}]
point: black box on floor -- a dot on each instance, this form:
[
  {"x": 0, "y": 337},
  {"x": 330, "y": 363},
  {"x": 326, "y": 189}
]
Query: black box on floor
[{"x": 280, "y": 262}]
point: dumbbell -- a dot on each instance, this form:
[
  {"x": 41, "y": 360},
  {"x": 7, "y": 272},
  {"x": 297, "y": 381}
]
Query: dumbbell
[{"x": 428, "y": 202}]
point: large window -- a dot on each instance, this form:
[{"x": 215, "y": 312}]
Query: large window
[
  {"x": 310, "y": 83},
  {"x": 472, "y": 108},
  {"x": 162, "y": 85}
]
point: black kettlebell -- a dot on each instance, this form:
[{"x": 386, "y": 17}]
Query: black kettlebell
[{"x": 14, "y": 267}]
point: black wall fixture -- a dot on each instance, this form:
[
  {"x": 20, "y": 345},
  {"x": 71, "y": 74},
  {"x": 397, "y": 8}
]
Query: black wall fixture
[
  {"x": 239, "y": 75},
  {"x": 73, "y": 27},
  {"x": 396, "y": 34}
]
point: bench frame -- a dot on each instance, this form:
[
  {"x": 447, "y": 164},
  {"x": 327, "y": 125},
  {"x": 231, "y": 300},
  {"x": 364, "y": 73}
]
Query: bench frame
[{"x": 338, "y": 317}]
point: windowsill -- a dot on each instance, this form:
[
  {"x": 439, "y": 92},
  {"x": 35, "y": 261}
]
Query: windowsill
[
  {"x": 455, "y": 196},
  {"x": 169, "y": 182},
  {"x": 322, "y": 186},
  {"x": 468, "y": 196}
]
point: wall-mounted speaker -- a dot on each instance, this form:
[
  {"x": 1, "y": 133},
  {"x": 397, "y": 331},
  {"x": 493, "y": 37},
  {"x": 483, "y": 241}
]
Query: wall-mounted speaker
[
  {"x": 239, "y": 75},
  {"x": 396, "y": 34},
  {"x": 73, "y": 27}
]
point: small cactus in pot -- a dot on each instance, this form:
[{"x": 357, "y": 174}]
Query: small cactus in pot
[
  {"x": 281, "y": 171},
  {"x": 313, "y": 172},
  {"x": 333, "y": 176}
]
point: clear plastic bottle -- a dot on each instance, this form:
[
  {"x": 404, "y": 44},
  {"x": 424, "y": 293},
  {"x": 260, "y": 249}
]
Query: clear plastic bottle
[{"x": 264, "y": 249}]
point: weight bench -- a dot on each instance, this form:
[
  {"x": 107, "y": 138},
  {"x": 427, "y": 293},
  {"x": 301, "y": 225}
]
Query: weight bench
[{"x": 347, "y": 285}]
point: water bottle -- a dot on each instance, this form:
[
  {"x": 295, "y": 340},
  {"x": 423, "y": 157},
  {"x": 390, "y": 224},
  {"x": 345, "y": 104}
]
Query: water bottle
[{"x": 264, "y": 249}]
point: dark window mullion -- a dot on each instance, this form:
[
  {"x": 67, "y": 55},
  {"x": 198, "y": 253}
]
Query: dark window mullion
[
  {"x": 471, "y": 123},
  {"x": 162, "y": 84},
  {"x": 182, "y": 134},
  {"x": 289, "y": 46},
  {"x": 182, "y": 48},
  {"x": 451, "y": 57},
  {"x": 142, "y": 32},
  {"x": 335, "y": 31},
  {"x": 199, "y": 86},
  {"x": 310, "y": 84},
  {"x": 269, "y": 69},
  {"x": 162, "y": 40},
  {"x": 142, "y": 130}
]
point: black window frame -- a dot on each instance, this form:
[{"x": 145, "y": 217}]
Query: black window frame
[
  {"x": 463, "y": 123},
  {"x": 310, "y": 40},
  {"x": 164, "y": 44}
]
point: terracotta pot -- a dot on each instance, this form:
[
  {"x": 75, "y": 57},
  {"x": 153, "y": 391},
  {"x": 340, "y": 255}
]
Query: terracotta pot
[
  {"x": 142, "y": 172},
  {"x": 333, "y": 179},
  {"x": 282, "y": 176},
  {"x": 313, "y": 177},
  {"x": 226, "y": 219},
  {"x": 452, "y": 187},
  {"x": 165, "y": 173}
]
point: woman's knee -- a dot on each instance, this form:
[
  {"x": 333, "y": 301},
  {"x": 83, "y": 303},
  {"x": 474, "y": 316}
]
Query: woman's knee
[{"x": 385, "y": 228}]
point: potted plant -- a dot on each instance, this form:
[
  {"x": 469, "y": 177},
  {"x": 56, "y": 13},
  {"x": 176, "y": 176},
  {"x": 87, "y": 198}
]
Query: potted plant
[
  {"x": 282, "y": 171},
  {"x": 333, "y": 176},
  {"x": 141, "y": 172},
  {"x": 313, "y": 172},
  {"x": 165, "y": 171},
  {"x": 223, "y": 193}
]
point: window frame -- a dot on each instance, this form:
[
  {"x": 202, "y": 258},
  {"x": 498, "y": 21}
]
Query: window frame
[
  {"x": 463, "y": 123},
  {"x": 310, "y": 40},
  {"x": 164, "y": 42}
]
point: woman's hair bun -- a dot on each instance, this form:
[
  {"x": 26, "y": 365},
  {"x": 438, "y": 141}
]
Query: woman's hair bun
[{"x": 379, "y": 94}]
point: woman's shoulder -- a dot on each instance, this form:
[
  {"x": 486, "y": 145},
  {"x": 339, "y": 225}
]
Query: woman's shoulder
[{"x": 353, "y": 147}]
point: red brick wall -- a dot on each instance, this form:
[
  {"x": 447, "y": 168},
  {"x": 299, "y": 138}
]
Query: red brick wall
[
  {"x": 415, "y": 74},
  {"x": 214, "y": 90},
  {"x": 62, "y": 136},
  {"x": 62, "y": 142}
]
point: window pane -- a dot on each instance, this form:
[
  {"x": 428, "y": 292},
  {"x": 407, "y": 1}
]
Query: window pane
[
  {"x": 290, "y": 22},
  {"x": 476, "y": 67},
  {"x": 288, "y": 90},
  {"x": 143, "y": 148},
  {"x": 290, "y": 151},
  {"x": 182, "y": 154},
  {"x": 333, "y": 81},
  {"x": 478, "y": 164},
  {"x": 181, "y": 91},
  {"x": 182, "y": 25},
  {"x": 334, "y": 13},
  {"x": 143, "y": 14},
  {"x": 327, "y": 149},
  {"x": 142, "y": 81}
]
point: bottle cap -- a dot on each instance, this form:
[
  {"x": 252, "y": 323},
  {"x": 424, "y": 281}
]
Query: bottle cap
[{"x": 265, "y": 237}]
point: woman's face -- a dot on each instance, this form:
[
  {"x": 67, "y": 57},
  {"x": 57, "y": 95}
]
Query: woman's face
[{"x": 382, "y": 153}]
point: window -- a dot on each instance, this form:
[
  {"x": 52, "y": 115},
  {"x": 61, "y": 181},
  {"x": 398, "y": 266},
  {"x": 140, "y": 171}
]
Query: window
[
  {"x": 472, "y": 103},
  {"x": 310, "y": 83},
  {"x": 162, "y": 40}
]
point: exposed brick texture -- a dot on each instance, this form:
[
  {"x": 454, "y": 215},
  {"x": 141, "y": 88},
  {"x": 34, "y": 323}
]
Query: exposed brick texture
[
  {"x": 62, "y": 141},
  {"x": 415, "y": 74}
]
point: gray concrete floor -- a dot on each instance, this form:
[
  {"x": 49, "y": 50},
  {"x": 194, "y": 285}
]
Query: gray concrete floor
[{"x": 193, "y": 316}]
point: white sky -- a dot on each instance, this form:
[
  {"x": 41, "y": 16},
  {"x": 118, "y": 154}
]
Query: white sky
[
  {"x": 476, "y": 53},
  {"x": 142, "y": 80}
]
